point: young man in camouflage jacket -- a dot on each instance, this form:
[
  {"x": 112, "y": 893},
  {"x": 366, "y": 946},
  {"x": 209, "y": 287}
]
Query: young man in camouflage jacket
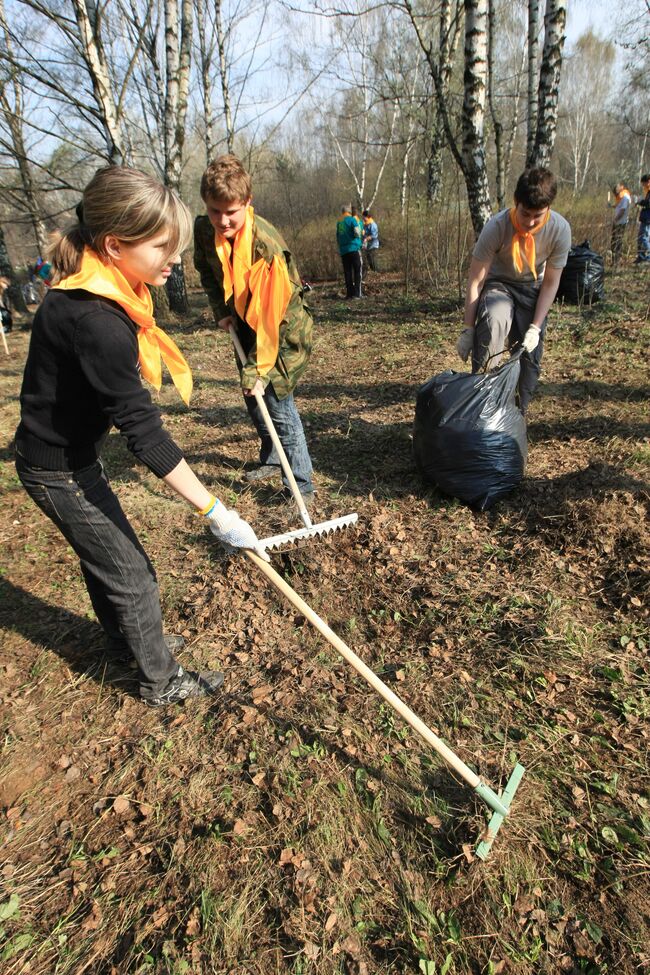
[{"x": 252, "y": 283}]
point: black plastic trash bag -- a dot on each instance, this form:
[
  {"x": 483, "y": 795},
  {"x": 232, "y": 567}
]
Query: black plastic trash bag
[
  {"x": 469, "y": 436},
  {"x": 583, "y": 278}
]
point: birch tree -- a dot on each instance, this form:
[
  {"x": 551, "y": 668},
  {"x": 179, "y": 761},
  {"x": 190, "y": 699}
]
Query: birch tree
[
  {"x": 177, "y": 64},
  {"x": 12, "y": 106},
  {"x": 470, "y": 155},
  {"x": 83, "y": 70},
  {"x": 533, "y": 76},
  {"x": 506, "y": 59},
  {"x": 549, "y": 83},
  {"x": 449, "y": 21}
]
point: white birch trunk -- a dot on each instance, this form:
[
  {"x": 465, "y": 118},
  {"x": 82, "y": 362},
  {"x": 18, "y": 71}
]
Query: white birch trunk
[
  {"x": 473, "y": 145},
  {"x": 205, "y": 74},
  {"x": 549, "y": 82},
  {"x": 92, "y": 50},
  {"x": 533, "y": 69},
  {"x": 224, "y": 76},
  {"x": 177, "y": 64}
]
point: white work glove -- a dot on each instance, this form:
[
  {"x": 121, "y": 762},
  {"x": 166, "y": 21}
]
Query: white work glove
[
  {"x": 232, "y": 531},
  {"x": 530, "y": 340},
  {"x": 465, "y": 342}
]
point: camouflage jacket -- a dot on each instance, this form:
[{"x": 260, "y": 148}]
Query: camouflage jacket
[{"x": 297, "y": 325}]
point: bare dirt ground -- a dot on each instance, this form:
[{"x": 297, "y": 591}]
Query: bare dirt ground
[{"x": 295, "y": 824}]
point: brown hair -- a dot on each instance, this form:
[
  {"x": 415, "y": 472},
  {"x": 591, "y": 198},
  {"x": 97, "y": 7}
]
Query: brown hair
[
  {"x": 126, "y": 203},
  {"x": 226, "y": 179},
  {"x": 536, "y": 188}
]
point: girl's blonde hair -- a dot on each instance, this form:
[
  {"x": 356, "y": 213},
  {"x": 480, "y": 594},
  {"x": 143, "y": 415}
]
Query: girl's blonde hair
[{"x": 126, "y": 203}]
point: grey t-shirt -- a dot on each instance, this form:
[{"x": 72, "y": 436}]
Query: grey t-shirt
[{"x": 494, "y": 244}]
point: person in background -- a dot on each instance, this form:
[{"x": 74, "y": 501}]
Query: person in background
[
  {"x": 513, "y": 278},
  {"x": 621, "y": 204},
  {"x": 350, "y": 240},
  {"x": 253, "y": 285},
  {"x": 43, "y": 270},
  {"x": 6, "y": 318},
  {"x": 643, "y": 240},
  {"x": 371, "y": 240},
  {"x": 93, "y": 338}
]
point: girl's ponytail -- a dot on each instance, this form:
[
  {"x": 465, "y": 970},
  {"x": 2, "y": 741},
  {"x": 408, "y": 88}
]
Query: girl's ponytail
[{"x": 64, "y": 253}]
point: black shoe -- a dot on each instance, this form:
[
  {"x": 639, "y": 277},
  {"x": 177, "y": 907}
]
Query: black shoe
[
  {"x": 261, "y": 473},
  {"x": 186, "y": 684}
]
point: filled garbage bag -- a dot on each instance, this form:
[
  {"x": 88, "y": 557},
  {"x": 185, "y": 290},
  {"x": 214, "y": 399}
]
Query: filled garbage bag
[
  {"x": 583, "y": 278},
  {"x": 469, "y": 436}
]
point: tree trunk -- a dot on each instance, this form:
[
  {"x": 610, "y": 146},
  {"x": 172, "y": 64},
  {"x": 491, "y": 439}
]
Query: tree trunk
[
  {"x": 549, "y": 82},
  {"x": 177, "y": 61},
  {"x": 224, "y": 76},
  {"x": 14, "y": 291},
  {"x": 14, "y": 118},
  {"x": 205, "y": 73},
  {"x": 496, "y": 122},
  {"x": 434, "y": 161},
  {"x": 447, "y": 41},
  {"x": 92, "y": 51},
  {"x": 533, "y": 67},
  {"x": 473, "y": 147}
]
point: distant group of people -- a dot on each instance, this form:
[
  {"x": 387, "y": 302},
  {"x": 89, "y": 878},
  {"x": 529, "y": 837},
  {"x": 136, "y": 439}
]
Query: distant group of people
[
  {"x": 356, "y": 235},
  {"x": 622, "y": 205}
]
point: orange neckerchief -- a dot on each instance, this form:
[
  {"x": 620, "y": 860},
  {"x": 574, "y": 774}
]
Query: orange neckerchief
[
  {"x": 106, "y": 281},
  {"x": 619, "y": 196},
  {"x": 368, "y": 220},
  {"x": 526, "y": 239},
  {"x": 262, "y": 291}
]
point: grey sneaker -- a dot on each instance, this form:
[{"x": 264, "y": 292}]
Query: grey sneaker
[
  {"x": 262, "y": 473},
  {"x": 186, "y": 684}
]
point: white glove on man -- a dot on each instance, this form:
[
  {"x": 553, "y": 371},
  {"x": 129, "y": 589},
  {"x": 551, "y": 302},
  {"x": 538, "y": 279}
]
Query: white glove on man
[
  {"x": 530, "y": 340},
  {"x": 232, "y": 531},
  {"x": 465, "y": 342}
]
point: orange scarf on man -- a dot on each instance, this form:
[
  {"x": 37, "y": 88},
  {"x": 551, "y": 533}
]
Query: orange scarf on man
[
  {"x": 262, "y": 291},
  {"x": 624, "y": 192},
  {"x": 106, "y": 281},
  {"x": 525, "y": 240}
]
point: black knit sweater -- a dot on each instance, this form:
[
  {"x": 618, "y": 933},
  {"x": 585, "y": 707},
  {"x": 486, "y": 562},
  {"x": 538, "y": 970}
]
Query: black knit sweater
[{"x": 82, "y": 378}]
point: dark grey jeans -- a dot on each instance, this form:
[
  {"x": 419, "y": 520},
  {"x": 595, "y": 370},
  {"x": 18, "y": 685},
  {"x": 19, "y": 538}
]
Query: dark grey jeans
[
  {"x": 288, "y": 425},
  {"x": 504, "y": 313},
  {"x": 120, "y": 579}
]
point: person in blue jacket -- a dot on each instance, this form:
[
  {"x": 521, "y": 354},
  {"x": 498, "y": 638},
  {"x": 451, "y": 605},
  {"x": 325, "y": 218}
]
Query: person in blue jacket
[
  {"x": 371, "y": 240},
  {"x": 349, "y": 240}
]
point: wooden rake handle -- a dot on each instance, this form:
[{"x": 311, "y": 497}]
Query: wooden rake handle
[
  {"x": 4, "y": 340},
  {"x": 286, "y": 467},
  {"x": 364, "y": 671}
]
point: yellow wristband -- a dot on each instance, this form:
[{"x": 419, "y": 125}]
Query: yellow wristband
[{"x": 209, "y": 506}]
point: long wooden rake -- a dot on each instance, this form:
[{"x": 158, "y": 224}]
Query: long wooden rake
[{"x": 499, "y": 804}]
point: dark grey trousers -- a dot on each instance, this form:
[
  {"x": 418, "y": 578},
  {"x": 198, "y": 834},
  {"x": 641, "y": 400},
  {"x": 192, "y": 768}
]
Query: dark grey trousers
[
  {"x": 504, "y": 314},
  {"x": 352, "y": 272},
  {"x": 120, "y": 579}
]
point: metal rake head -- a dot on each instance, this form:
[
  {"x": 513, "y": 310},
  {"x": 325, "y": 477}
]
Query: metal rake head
[{"x": 300, "y": 534}]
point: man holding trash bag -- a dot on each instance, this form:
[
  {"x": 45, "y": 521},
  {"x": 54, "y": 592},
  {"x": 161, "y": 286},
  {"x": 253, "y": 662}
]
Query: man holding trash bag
[{"x": 513, "y": 278}]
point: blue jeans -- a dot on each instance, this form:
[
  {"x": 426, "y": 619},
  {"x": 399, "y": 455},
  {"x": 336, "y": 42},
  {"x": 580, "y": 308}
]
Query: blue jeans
[
  {"x": 643, "y": 243},
  {"x": 288, "y": 425},
  {"x": 119, "y": 577}
]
